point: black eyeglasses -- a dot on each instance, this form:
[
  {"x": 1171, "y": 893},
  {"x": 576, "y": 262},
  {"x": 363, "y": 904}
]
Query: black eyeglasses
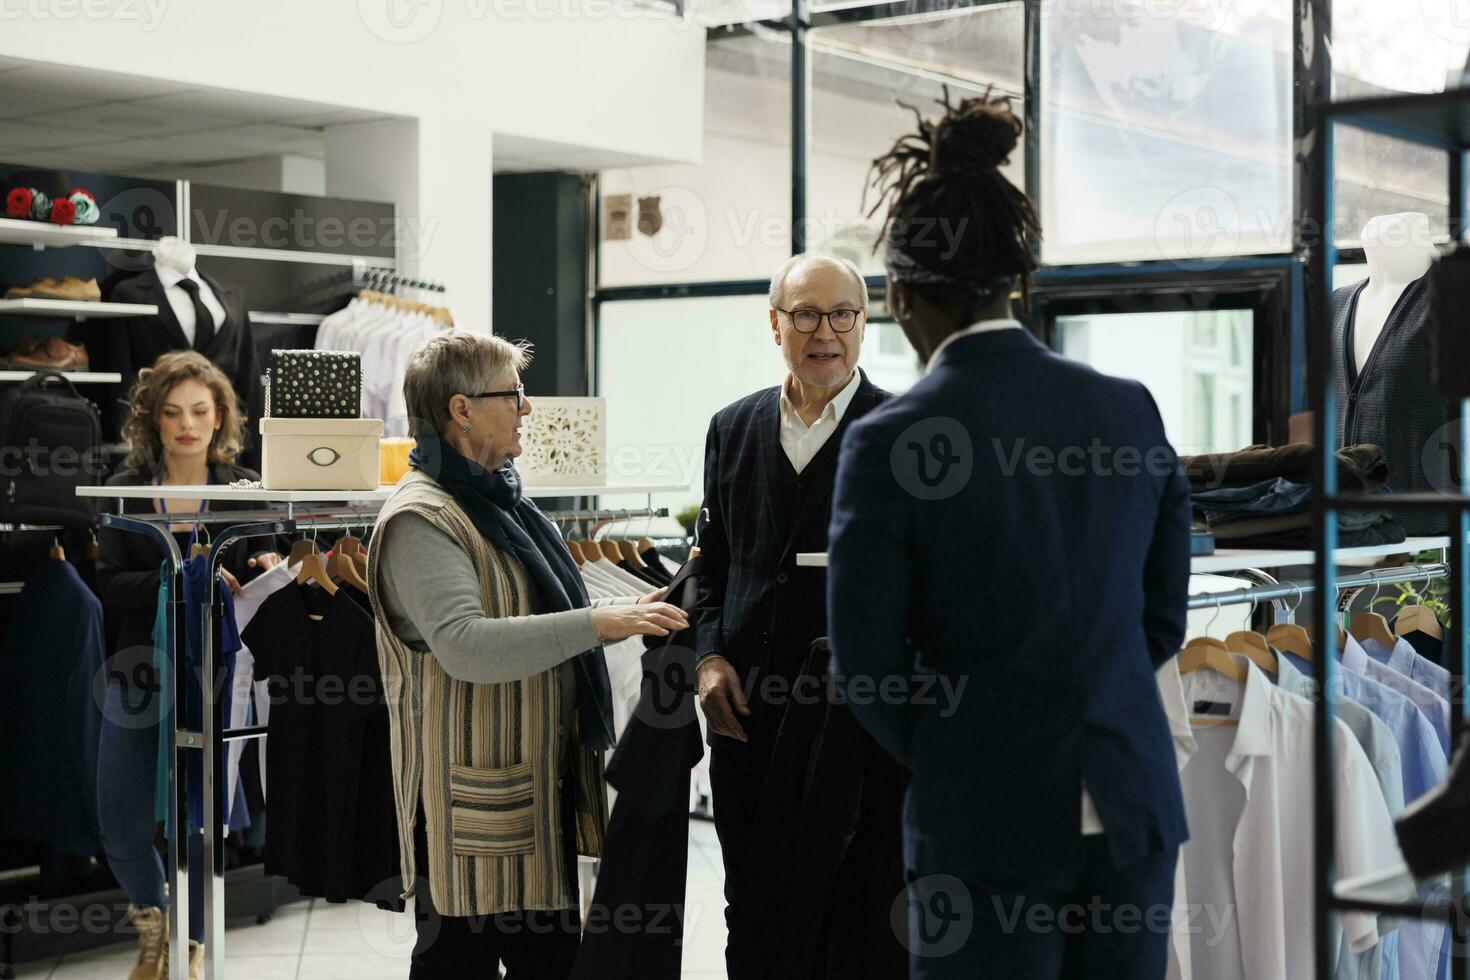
[
  {"x": 519, "y": 394},
  {"x": 807, "y": 321}
]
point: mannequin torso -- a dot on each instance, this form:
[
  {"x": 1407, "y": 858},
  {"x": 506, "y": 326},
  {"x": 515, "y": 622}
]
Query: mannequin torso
[{"x": 1399, "y": 250}]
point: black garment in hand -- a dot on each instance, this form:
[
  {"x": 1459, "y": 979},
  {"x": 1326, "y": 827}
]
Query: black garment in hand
[
  {"x": 331, "y": 827},
  {"x": 830, "y": 822},
  {"x": 646, "y": 853},
  {"x": 654, "y": 561}
]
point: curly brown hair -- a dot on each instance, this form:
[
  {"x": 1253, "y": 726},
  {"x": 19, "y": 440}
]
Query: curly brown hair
[{"x": 146, "y": 399}]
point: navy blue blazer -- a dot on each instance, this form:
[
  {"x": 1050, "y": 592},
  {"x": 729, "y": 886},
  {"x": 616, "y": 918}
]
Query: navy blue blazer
[
  {"x": 755, "y": 605},
  {"x": 1017, "y": 523}
]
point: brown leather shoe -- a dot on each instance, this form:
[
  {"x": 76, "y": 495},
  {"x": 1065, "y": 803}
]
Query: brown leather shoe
[
  {"x": 29, "y": 292},
  {"x": 68, "y": 287},
  {"x": 54, "y": 354}
]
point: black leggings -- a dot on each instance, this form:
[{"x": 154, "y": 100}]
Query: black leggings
[{"x": 533, "y": 944}]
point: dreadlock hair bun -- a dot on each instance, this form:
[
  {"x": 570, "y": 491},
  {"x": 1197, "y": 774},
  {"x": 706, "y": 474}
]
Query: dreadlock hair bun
[
  {"x": 972, "y": 143},
  {"x": 955, "y": 225}
]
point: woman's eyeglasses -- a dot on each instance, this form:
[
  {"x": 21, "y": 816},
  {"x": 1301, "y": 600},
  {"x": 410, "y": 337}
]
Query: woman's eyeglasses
[
  {"x": 519, "y": 394},
  {"x": 807, "y": 321}
]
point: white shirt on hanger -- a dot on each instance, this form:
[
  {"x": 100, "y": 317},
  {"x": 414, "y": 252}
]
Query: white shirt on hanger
[
  {"x": 801, "y": 442},
  {"x": 1261, "y": 830},
  {"x": 183, "y": 306}
]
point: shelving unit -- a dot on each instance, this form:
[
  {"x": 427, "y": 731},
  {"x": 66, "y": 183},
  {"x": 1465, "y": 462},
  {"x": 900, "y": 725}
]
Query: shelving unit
[
  {"x": 75, "y": 377},
  {"x": 43, "y": 234},
  {"x": 76, "y": 309},
  {"x": 1442, "y": 121}
]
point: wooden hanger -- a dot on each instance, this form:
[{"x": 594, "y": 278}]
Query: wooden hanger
[
  {"x": 1418, "y": 619},
  {"x": 360, "y": 560},
  {"x": 1372, "y": 626},
  {"x": 592, "y": 550},
  {"x": 629, "y": 551},
  {"x": 57, "y": 551},
  {"x": 300, "y": 550},
  {"x": 348, "y": 545},
  {"x": 1208, "y": 652},
  {"x": 314, "y": 570},
  {"x": 1291, "y": 638},
  {"x": 575, "y": 547},
  {"x": 342, "y": 568},
  {"x": 1254, "y": 647}
]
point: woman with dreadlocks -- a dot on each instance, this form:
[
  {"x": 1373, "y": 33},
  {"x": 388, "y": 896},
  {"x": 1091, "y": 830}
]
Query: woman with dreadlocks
[{"x": 1044, "y": 816}]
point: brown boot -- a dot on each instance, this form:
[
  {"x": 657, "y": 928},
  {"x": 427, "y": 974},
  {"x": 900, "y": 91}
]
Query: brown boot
[
  {"x": 152, "y": 926},
  {"x": 196, "y": 960}
]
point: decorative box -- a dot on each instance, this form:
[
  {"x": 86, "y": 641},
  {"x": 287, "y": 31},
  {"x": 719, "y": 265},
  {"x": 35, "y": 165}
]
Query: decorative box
[
  {"x": 564, "y": 442},
  {"x": 314, "y": 384},
  {"x": 320, "y": 454}
]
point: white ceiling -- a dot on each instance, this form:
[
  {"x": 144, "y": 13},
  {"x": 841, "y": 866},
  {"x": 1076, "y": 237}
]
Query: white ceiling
[{"x": 78, "y": 119}]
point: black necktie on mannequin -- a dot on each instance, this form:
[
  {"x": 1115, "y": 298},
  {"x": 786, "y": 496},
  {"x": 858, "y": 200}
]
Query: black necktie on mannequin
[{"x": 203, "y": 319}]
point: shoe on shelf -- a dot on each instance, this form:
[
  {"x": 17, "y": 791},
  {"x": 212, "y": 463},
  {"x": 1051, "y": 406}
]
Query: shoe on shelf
[
  {"x": 152, "y": 927},
  {"x": 51, "y": 354},
  {"x": 1431, "y": 830},
  {"x": 67, "y": 287}
]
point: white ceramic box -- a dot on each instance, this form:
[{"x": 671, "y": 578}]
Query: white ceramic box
[{"x": 320, "y": 454}]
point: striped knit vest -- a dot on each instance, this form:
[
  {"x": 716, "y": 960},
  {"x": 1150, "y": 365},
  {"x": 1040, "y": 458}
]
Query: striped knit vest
[{"x": 481, "y": 759}]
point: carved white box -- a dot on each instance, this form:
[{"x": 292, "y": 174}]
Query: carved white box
[{"x": 564, "y": 442}]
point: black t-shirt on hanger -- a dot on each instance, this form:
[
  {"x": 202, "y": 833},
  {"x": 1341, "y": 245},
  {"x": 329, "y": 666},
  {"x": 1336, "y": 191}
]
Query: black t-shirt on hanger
[{"x": 331, "y": 828}]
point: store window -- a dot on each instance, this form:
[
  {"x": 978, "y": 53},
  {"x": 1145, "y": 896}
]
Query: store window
[
  {"x": 1380, "y": 175},
  {"x": 666, "y": 366},
  {"x": 860, "y": 74},
  {"x": 1380, "y": 47},
  {"x": 728, "y": 217},
  {"x": 1166, "y": 130},
  {"x": 1198, "y": 368}
]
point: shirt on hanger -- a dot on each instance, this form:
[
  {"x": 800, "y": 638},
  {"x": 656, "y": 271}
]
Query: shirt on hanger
[
  {"x": 249, "y": 697},
  {"x": 801, "y": 442},
  {"x": 1436, "y": 708},
  {"x": 181, "y": 303},
  {"x": 1409, "y": 662},
  {"x": 1253, "y": 782}
]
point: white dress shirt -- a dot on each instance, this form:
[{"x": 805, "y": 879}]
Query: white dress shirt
[
  {"x": 1243, "y": 887},
  {"x": 802, "y": 442},
  {"x": 984, "y": 326},
  {"x": 183, "y": 306}
]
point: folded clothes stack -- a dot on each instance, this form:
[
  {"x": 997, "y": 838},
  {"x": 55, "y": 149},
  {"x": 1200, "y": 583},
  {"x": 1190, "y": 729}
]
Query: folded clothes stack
[{"x": 1261, "y": 496}]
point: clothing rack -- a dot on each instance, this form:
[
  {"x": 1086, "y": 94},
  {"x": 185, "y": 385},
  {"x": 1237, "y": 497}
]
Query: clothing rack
[
  {"x": 387, "y": 281},
  {"x": 575, "y": 516},
  {"x": 1348, "y": 586}
]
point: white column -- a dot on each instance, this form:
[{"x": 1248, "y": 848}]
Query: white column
[{"x": 437, "y": 170}]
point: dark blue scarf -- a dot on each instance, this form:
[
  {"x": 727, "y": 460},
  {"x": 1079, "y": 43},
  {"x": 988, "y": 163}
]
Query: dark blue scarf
[{"x": 513, "y": 523}]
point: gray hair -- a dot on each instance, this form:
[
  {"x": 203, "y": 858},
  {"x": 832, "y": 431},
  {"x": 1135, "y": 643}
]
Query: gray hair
[
  {"x": 458, "y": 363},
  {"x": 778, "y": 281}
]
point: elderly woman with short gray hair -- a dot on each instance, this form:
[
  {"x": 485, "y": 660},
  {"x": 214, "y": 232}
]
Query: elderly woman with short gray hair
[{"x": 498, "y": 693}]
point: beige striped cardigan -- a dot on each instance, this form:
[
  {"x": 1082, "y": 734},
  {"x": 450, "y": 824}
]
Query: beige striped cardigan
[{"x": 482, "y": 758}]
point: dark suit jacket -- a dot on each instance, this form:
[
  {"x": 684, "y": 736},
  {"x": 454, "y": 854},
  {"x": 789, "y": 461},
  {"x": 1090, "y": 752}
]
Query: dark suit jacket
[
  {"x": 754, "y": 600},
  {"x": 1052, "y": 592},
  {"x": 130, "y": 344},
  {"x": 128, "y": 563}
]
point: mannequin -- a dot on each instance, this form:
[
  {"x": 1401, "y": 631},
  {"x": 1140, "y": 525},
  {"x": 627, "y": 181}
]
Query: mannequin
[
  {"x": 174, "y": 253},
  {"x": 1399, "y": 250},
  {"x": 1380, "y": 363}
]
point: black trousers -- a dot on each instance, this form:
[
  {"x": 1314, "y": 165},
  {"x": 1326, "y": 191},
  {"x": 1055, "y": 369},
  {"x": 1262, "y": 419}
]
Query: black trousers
[
  {"x": 736, "y": 772},
  {"x": 1110, "y": 924},
  {"x": 533, "y": 944}
]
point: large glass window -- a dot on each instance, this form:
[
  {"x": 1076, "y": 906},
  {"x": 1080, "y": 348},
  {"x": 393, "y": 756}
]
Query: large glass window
[
  {"x": 1166, "y": 130},
  {"x": 860, "y": 75},
  {"x": 1376, "y": 175},
  {"x": 1407, "y": 46},
  {"x": 666, "y": 366},
  {"x": 1197, "y": 365},
  {"x": 728, "y": 217}
]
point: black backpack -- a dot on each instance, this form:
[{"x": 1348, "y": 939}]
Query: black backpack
[{"x": 50, "y": 444}]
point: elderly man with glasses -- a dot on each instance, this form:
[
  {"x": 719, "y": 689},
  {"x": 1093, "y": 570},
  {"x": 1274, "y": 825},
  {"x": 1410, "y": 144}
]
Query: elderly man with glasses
[{"x": 770, "y": 461}]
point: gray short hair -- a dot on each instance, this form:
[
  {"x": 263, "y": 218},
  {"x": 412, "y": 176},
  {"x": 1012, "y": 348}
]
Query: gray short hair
[
  {"x": 458, "y": 363},
  {"x": 778, "y": 281}
]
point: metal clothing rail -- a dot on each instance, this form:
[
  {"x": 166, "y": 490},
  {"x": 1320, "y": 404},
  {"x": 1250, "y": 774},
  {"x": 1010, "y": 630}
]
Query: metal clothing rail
[{"x": 1290, "y": 590}]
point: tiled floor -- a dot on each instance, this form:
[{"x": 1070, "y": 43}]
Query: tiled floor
[{"x": 318, "y": 941}]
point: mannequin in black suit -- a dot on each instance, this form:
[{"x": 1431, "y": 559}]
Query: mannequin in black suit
[
  {"x": 770, "y": 462},
  {"x": 133, "y": 343}
]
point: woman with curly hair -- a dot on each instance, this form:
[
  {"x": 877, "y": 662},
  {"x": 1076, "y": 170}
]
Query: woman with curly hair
[{"x": 185, "y": 427}]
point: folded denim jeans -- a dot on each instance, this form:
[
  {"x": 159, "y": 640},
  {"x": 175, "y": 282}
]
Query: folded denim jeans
[{"x": 1267, "y": 498}]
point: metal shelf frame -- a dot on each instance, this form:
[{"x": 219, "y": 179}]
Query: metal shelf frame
[{"x": 1432, "y": 120}]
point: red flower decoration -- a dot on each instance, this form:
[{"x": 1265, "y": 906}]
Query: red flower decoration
[
  {"x": 18, "y": 203},
  {"x": 63, "y": 212}
]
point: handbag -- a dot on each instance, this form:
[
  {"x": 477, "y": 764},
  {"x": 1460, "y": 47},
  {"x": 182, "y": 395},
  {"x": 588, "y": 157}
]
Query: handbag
[{"x": 314, "y": 384}]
